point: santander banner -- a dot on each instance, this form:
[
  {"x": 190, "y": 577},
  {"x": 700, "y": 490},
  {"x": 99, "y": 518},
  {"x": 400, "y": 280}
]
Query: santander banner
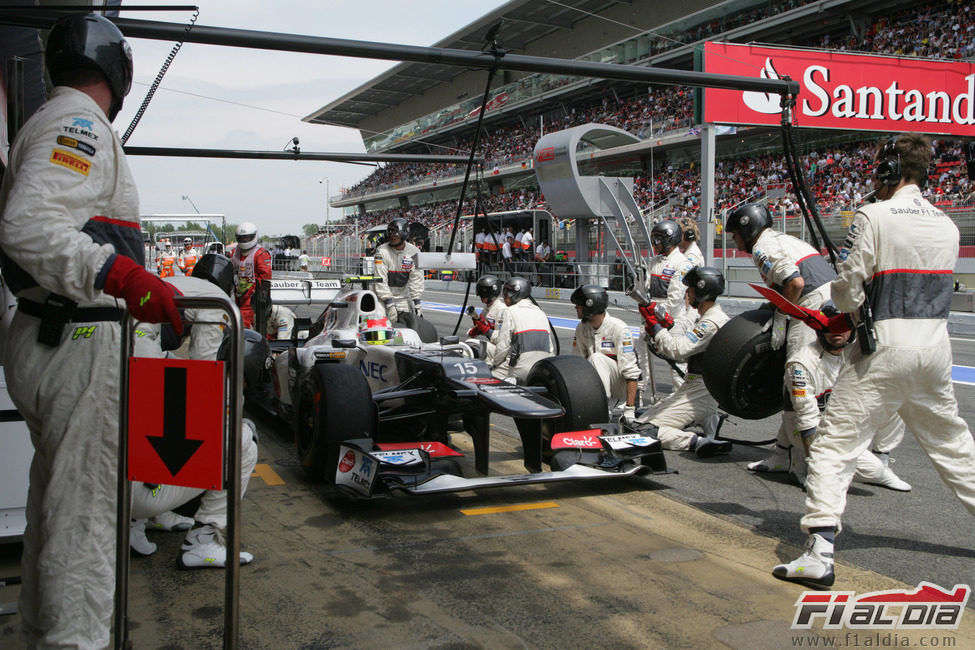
[{"x": 845, "y": 91}]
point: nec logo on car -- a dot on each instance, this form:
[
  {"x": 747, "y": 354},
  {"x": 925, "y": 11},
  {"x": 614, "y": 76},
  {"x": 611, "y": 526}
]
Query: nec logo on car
[{"x": 374, "y": 370}]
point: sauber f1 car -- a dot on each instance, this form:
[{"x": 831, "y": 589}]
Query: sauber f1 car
[{"x": 373, "y": 415}]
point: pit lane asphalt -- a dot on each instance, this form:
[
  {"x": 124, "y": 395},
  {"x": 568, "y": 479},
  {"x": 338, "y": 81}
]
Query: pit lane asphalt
[{"x": 674, "y": 561}]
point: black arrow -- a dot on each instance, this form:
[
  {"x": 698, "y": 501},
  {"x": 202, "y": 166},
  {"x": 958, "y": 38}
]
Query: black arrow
[{"x": 172, "y": 446}]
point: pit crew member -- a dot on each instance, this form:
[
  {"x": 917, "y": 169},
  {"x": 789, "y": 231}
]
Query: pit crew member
[
  {"x": 664, "y": 284},
  {"x": 607, "y": 343},
  {"x": 72, "y": 253},
  {"x": 810, "y": 377},
  {"x": 400, "y": 284},
  {"x": 524, "y": 336},
  {"x": 188, "y": 257},
  {"x": 487, "y": 324},
  {"x": 691, "y": 403},
  {"x": 898, "y": 259},
  {"x": 204, "y": 545}
]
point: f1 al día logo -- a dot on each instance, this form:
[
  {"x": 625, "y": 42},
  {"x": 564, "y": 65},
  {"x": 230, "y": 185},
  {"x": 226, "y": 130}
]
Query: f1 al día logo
[{"x": 929, "y": 607}]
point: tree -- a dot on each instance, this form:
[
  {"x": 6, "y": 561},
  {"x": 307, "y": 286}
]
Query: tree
[{"x": 309, "y": 229}]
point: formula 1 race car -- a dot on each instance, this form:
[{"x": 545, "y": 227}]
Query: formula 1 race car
[{"x": 374, "y": 416}]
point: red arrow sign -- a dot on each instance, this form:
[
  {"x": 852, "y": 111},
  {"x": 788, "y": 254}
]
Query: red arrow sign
[{"x": 175, "y": 422}]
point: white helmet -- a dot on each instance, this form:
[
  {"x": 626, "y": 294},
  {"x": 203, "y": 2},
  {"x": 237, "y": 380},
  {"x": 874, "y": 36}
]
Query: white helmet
[
  {"x": 188, "y": 240},
  {"x": 246, "y": 235}
]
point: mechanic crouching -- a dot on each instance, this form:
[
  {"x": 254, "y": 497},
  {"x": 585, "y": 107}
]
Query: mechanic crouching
[
  {"x": 400, "y": 284},
  {"x": 691, "y": 403},
  {"x": 205, "y": 545},
  {"x": 525, "y": 336},
  {"x": 487, "y": 324},
  {"x": 607, "y": 343}
]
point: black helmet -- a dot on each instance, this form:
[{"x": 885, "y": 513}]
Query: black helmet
[
  {"x": 592, "y": 299},
  {"x": 749, "y": 221},
  {"x": 666, "y": 234},
  {"x": 830, "y": 310},
  {"x": 91, "y": 41},
  {"x": 516, "y": 288},
  {"x": 217, "y": 269},
  {"x": 398, "y": 226},
  {"x": 707, "y": 281},
  {"x": 488, "y": 287}
]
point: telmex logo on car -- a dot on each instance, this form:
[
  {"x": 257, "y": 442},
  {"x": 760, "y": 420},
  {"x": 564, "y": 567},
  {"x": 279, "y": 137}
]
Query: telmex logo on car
[{"x": 845, "y": 91}]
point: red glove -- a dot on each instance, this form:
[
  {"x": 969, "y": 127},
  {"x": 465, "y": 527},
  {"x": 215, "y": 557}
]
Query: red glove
[
  {"x": 481, "y": 326},
  {"x": 665, "y": 319},
  {"x": 148, "y": 298},
  {"x": 649, "y": 315}
]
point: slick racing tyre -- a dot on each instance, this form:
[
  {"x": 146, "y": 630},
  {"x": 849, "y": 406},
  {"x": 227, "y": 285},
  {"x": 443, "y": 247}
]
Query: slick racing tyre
[
  {"x": 741, "y": 371},
  {"x": 334, "y": 404},
  {"x": 424, "y": 328},
  {"x": 574, "y": 384}
]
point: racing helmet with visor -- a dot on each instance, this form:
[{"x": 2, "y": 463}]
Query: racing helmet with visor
[
  {"x": 592, "y": 298},
  {"x": 516, "y": 289},
  {"x": 707, "y": 282},
  {"x": 246, "y": 236},
  {"x": 665, "y": 235},
  {"x": 399, "y": 227},
  {"x": 488, "y": 287},
  {"x": 749, "y": 221},
  {"x": 376, "y": 331},
  {"x": 90, "y": 41}
]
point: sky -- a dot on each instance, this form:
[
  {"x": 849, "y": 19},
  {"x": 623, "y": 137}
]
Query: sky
[{"x": 237, "y": 98}]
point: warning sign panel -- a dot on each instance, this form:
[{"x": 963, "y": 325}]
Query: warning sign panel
[{"x": 175, "y": 422}]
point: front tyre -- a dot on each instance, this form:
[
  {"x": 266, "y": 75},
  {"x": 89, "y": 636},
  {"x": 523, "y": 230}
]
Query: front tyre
[{"x": 334, "y": 404}]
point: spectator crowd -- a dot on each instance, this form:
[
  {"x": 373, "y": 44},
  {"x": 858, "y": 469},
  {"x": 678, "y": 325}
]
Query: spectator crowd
[{"x": 839, "y": 173}]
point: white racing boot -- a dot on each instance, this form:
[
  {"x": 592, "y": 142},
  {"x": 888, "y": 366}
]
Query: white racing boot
[
  {"x": 170, "y": 521},
  {"x": 206, "y": 547},
  {"x": 873, "y": 469},
  {"x": 138, "y": 541},
  {"x": 778, "y": 462},
  {"x": 814, "y": 568}
]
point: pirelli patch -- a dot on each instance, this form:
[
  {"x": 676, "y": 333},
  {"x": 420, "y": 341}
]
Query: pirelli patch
[
  {"x": 69, "y": 160},
  {"x": 798, "y": 392}
]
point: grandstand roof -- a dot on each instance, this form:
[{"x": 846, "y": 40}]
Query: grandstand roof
[{"x": 525, "y": 21}]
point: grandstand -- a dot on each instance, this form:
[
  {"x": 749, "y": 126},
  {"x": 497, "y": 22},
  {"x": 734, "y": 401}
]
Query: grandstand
[{"x": 432, "y": 109}]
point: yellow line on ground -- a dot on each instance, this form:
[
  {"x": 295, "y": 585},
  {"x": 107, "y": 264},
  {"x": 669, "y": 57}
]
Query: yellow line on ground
[
  {"x": 266, "y": 474},
  {"x": 515, "y": 508}
]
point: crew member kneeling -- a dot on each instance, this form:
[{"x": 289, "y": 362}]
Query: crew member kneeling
[
  {"x": 691, "y": 403},
  {"x": 607, "y": 343}
]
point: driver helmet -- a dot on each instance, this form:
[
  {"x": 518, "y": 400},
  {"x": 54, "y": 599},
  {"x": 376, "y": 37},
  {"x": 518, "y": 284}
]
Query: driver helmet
[
  {"x": 90, "y": 41},
  {"x": 246, "y": 236},
  {"x": 376, "y": 331},
  {"x": 749, "y": 221},
  {"x": 516, "y": 288},
  {"x": 593, "y": 300},
  {"x": 666, "y": 234},
  {"x": 488, "y": 287},
  {"x": 217, "y": 269}
]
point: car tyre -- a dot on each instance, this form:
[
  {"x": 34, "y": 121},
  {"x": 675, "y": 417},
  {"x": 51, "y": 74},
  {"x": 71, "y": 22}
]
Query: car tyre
[
  {"x": 741, "y": 371},
  {"x": 572, "y": 382},
  {"x": 424, "y": 328},
  {"x": 334, "y": 404}
]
